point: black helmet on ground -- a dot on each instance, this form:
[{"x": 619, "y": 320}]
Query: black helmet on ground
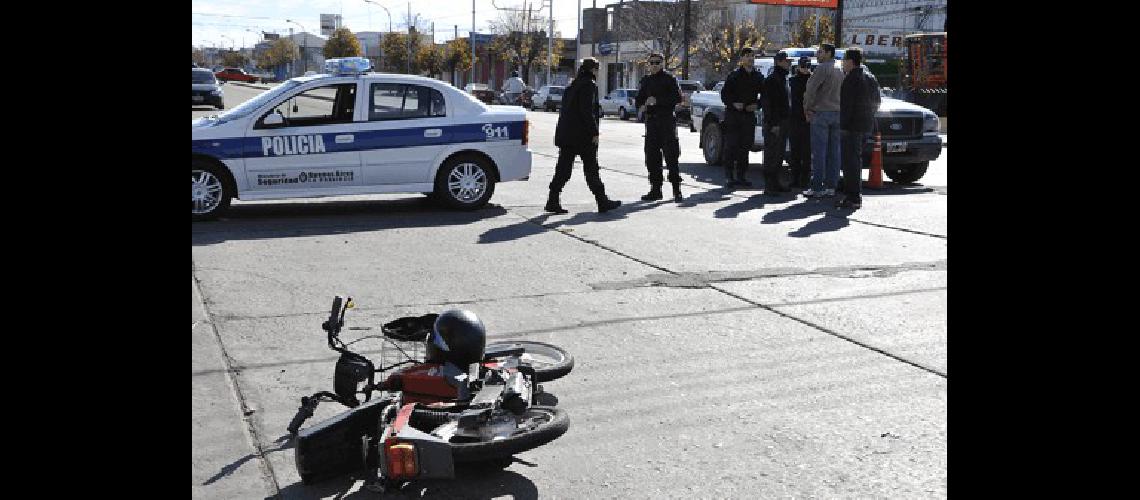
[{"x": 458, "y": 336}]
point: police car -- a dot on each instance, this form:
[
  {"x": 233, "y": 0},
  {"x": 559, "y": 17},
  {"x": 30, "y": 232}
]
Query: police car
[{"x": 351, "y": 132}]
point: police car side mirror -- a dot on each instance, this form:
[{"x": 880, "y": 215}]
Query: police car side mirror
[{"x": 273, "y": 120}]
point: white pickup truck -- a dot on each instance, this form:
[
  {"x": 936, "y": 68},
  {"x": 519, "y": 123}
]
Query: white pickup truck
[{"x": 909, "y": 134}]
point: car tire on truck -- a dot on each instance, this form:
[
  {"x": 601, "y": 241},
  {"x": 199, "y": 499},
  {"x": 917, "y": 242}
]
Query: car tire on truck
[
  {"x": 712, "y": 142},
  {"x": 907, "y": 173}
]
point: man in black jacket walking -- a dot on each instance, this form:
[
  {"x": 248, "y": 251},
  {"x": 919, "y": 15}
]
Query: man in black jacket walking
[
  {"x": 858, "y": 101},
  {"x": 577, "y": 135},
  {"x": 800, "y": 133},
  {"x": 741, "y": 97},
  {"x": 777, "y": 110},
  {"x": 657, "y": 96}
]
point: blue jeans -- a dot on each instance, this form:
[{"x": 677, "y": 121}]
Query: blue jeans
[{"x": 824, "y": 150}]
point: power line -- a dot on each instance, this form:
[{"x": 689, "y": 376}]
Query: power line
[{"x": 226, "y": 15}]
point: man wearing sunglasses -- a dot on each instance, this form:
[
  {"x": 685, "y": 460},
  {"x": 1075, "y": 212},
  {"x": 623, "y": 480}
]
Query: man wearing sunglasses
[{"x": 657, "y": 97}]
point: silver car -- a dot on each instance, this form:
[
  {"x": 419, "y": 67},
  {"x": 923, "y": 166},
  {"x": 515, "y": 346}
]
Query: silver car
[
  {"x": 549, "y": 98},
  {"x": 619, "y": 102}
]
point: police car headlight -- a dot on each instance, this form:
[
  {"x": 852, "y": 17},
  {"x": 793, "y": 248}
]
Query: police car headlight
[{"x": 930, "y": 122}]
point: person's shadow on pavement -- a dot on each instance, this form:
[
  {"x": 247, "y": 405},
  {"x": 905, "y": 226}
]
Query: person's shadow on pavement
[
  {"x": 827, "y": 223},
  {"x": 802, "y": 210}
]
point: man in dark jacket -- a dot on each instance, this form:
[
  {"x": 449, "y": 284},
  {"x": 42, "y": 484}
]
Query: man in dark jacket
[
  {"x": 800, "y": 133},
  {"x": 741, "y": 97},
  {"x": 777, "y": 110},
  {"x": 577, "y": 135},
  {"x": 660, "y": 94},
  {"x": 858, "y": 101}
]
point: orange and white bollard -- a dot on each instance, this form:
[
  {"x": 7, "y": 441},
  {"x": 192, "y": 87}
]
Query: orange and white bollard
[{"x": 876, "y": 179}]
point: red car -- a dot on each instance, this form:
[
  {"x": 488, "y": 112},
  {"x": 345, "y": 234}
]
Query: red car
[{"x": 237, "y": 74}]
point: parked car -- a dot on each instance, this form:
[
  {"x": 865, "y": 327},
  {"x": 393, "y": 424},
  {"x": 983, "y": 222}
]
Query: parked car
[
  {"x": 549, "y": 97},
  {"x": 206, "y": 90},
  {"x": 620, "y": 103},
  {"x": 236, "y": 74},
  {"x": 687, "y": 89},
  {"x": 481, "y": 91}
]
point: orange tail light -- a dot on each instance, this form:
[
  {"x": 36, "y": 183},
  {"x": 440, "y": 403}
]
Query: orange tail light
[
  {"x": 401, "y": 460},
  {"x": 526, "y": 132}
]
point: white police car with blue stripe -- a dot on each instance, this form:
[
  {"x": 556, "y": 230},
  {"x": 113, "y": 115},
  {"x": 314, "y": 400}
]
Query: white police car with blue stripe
[{"x": 354, "y": 132}]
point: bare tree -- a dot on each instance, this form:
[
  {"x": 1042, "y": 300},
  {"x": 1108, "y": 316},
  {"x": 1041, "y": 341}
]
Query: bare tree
[
  {"x": 521, "y": 40},
  {"x": 808, "y": 33},
  {"x": 718, "y": 43},
  {"x": 659, "y": 26}
]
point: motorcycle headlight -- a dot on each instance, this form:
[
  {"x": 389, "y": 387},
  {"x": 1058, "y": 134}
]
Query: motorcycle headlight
[{"x": 930, "y": 123}]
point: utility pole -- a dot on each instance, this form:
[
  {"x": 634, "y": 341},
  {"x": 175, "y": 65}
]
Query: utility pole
[
  {"x": 620, "y": 80},
  {"x": 408, "y": 63},
  {"x": 454, "y": 76},
  {"x": 685, "y": 54},
  {"x": 593, "y": 30},
  {"x": 839, "y": 24},
  {"x": 550, "y": 42},
  {"x": 578, "y": 42},
  {"x": 471, "y": 39}
]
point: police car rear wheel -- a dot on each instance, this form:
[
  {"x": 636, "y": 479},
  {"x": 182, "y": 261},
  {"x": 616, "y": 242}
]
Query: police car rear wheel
[
  {"x": 465, "y": 182},
  {"x": 210, "y": 196}
]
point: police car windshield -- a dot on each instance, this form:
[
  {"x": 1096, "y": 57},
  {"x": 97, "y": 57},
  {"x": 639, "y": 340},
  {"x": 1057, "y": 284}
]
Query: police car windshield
[{"x": 249, "y": 106}]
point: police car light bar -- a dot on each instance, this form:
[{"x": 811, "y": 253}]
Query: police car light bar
[{"x": 346, "y": 66}]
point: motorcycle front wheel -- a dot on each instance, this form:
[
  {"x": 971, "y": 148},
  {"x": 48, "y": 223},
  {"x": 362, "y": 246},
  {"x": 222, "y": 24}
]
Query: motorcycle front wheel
[
  {"x": 538, "y": 426},
  {"x": 550, "y": 362}
]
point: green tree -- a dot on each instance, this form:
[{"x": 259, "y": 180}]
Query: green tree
[
  {"x": 430, "y": 59},
  {"x": 396, "y": 52},
  {"x": 458, "y": 56},
  {"x": 234, "y": 59},
  {"x": 342, "y": 43},
  {"x": 718, "y": 45},
  {"x": 807, "y": 34},
  {"x": 282, "y": 51}
]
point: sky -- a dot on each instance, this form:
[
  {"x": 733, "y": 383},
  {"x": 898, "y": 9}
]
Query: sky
[{"x": 238, "y": 23}]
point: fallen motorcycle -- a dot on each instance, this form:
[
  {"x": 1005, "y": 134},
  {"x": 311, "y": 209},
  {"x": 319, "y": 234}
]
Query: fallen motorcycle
[{"x": 464, "y": 403}]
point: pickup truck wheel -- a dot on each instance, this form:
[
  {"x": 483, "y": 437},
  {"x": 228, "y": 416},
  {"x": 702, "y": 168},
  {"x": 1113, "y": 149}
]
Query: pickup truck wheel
[
  {"x": 623, "y": 114},
  {"x": 907, "y": 173},
  {"x": 713, "y": 143}
]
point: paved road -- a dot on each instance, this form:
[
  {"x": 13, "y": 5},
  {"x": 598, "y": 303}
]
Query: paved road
[{"x": 727, "y": 347}]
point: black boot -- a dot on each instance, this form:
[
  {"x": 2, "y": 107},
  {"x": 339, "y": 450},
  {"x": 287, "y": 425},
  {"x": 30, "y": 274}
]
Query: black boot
[
  {"x": 677, "y": 192},
  {"x": 605, "y": 205},
  {"x": 553, "y": 205},
  {"x": 654, "y": 194},
  {"x": 730, "y": 177}
]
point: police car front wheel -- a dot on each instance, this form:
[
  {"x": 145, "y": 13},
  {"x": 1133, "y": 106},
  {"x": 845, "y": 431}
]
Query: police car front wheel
[
  {"x": 210, "y": 195},
  {"x": 465, "y": 182}
]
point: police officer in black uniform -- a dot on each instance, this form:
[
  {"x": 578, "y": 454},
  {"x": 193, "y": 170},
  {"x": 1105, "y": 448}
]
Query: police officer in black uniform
[
  {"x": 658, "y": 96},
  {"x": 800, "y": 134},
  {"x": 741, "y": 96},
  {"x": 777, "y": 110}
]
